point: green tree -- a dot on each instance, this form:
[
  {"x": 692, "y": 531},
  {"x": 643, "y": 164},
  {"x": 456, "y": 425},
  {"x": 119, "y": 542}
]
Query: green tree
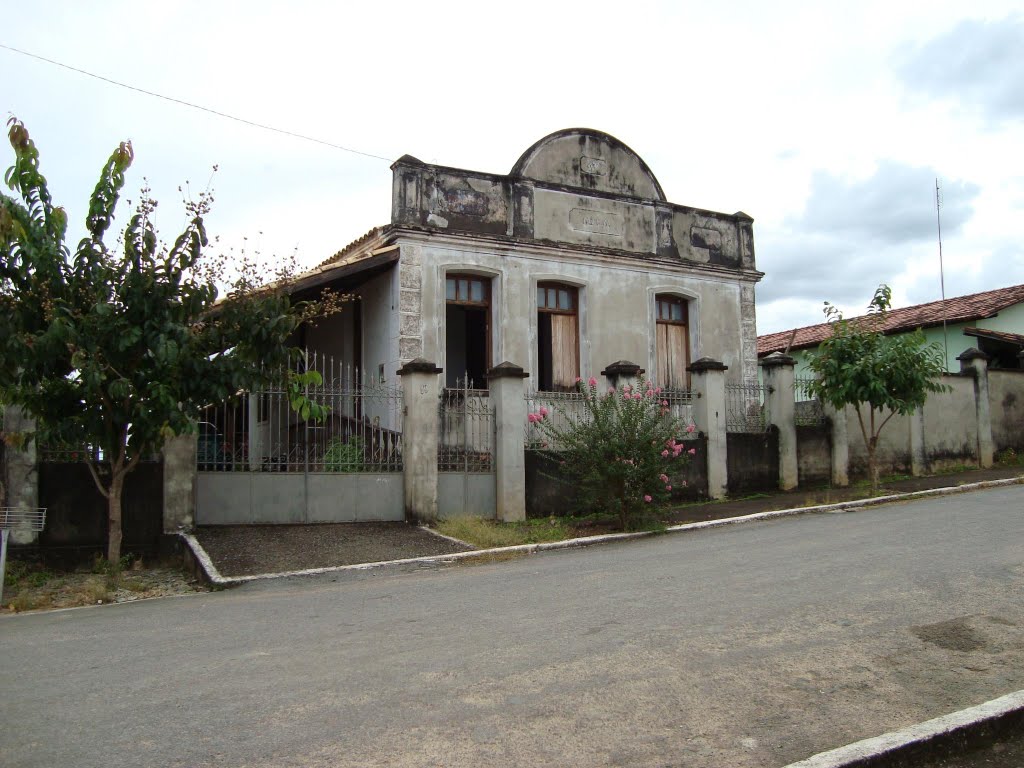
[
  {"x": 620, "y": 449},
  {"x": 860, "y": 365},
  {"x": 119, "y": 348}
]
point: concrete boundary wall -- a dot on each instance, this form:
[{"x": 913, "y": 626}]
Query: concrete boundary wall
[{"x": 1006, "y": 404}]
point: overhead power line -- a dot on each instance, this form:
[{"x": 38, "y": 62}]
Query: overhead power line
[{"x": 218, "y": 113}]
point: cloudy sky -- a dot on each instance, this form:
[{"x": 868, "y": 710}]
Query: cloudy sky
[{"x": 826, "y": 122}]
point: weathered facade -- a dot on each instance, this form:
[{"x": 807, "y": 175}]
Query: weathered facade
[{"x": 572, "y": 261}]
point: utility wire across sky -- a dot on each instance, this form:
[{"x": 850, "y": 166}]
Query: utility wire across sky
[{"x": 195, "y": 106}]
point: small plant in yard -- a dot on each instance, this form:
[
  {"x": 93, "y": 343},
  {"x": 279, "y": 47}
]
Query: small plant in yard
[
  {"x": 344, "y": 457},
  {"x": 622, "y": 453}
]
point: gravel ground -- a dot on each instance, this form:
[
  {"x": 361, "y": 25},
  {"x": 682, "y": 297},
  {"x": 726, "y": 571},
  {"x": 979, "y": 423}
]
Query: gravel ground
[{"x": 240, "y": 550}]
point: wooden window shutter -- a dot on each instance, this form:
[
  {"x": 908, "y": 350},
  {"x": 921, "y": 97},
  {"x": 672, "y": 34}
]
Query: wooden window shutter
[{"x": 565, "y": 352}]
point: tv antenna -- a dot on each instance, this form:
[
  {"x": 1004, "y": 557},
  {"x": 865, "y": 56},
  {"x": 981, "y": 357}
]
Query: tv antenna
[{"x": 942, "y": 274}]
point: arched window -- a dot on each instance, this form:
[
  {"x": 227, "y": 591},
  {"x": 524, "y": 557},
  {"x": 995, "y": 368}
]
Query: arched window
[
  {"x": 558, "y": 337},
  {"x": 467, "y": 330},
  {"x": 672, "y": 341}
]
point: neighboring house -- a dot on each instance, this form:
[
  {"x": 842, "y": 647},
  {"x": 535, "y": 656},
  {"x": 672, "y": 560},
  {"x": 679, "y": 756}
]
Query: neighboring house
[
  {"x": 992, "y": 321},
  {"x": 572, "y": 261}
]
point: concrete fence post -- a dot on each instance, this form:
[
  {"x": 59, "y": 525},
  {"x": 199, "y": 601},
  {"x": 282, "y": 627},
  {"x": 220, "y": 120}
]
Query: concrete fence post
[
  {"x": 778, "y": 376},
  {"x": 508, "y": 397},
  {"x": 420, "y": 430},
  {"x": 708, "y": 377},
  {"x": 179, "y": 492},
  {"x": 975, "y": 363},
  {"x": 21, "y": 473},
  {"x": 840, "y": 445},
  {"x": 621, "y": 373}
]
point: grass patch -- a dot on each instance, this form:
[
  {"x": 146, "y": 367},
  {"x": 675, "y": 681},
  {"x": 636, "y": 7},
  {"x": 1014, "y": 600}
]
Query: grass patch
[
  {"x": 488, "y": 534},
  {"x": 30, "y": 587}
]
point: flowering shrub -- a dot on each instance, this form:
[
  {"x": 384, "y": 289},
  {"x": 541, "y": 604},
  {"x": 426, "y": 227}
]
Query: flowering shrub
[{"x": 622, "y": 454}]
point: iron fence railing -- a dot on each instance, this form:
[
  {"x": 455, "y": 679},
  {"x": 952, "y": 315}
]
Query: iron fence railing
[
  {"x": 563, "y": 409},
  {"x": 260, "y": 432},
  {"x": 807, "y": 410},
  {"x": 745, "y": 409},
  {"x": 466, "y": 429}
]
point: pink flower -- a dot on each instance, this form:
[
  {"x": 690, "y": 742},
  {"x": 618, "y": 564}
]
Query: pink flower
[
  {"x": 592, "y": 382},
  {"x": 627, "y": 388},
  {"x": 665, "y": 453},
  {"x": 692, "y": 451},
  {"x": 668, "y": 487},
  {"x": 647, "y": 498},
  {"x": 663, "y": 478},
  {"x": 657, "y": 390},
  {"x": 691, "y": 428},
  {"x": 611, "y": 390},
  {"x": 677, "y": 449},
  {"x": 579, "y": 379},
  {"x": 543, "y": 412},
  {"x": 665, "y": 403},
  {"x": 531, "y": 417}
]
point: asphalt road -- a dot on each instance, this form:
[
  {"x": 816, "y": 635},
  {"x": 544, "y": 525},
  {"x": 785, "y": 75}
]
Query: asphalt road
[{"x": 755, "y": 645}]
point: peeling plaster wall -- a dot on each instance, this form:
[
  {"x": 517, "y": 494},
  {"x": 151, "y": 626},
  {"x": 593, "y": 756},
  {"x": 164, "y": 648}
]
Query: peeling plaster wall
[
  {"x": 616, "y": 315},
  {"x": 1006, "y": 403},
  {"x": 951, "y": 424}
]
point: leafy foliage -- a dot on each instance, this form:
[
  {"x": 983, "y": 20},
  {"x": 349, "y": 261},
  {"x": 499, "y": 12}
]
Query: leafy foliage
[
  {"x": 859, "y": 365},
  {"x": 120, "y": 348},
  {"x": 344, "y": 457},
  {"x": 621, "y": 451}
]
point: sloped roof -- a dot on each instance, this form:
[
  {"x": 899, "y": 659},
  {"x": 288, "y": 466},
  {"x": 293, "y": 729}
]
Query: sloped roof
[{"x": 955, "y": 310}]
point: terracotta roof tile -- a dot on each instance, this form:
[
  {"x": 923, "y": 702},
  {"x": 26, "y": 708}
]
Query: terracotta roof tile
[{"x": 955, "y": 310}]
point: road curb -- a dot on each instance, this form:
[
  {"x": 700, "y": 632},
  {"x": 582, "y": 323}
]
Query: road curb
[
  {"x": 204, "y": 564},
  {"x": 947, "y": 734}
]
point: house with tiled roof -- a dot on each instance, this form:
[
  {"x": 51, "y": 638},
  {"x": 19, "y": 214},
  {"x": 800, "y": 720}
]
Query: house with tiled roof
[
  {"x": 573, "y": 266},
  {"x": 992, "y": 321}
]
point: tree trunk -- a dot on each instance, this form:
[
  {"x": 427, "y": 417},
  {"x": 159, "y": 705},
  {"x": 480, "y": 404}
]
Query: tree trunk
[
  {"x": 872, "y": 466},
  {"x": 114, "y": 517}
]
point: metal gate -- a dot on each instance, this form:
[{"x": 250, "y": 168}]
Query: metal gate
[
  {"x": 465, "y": 454},
  {"x": 259, "y": 462}
]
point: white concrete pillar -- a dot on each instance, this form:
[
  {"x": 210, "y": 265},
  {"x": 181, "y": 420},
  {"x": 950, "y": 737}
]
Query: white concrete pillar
[
  {"x": 508, "y": 398},
  {"x": 840, "y": 445},
  {"x": 708, "y": 377},
  {"x": 21, "y": 470},
  {"x": 179, "y": 454},
  {"x": 778, "y": 378},
  {"x": 420, "y": 431},
  {"x": 975, "y": 362},
  {"x": 621, "y": 373}
]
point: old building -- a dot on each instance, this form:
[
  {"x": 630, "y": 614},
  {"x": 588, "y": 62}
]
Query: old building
[{"x": 570, "y": 262}]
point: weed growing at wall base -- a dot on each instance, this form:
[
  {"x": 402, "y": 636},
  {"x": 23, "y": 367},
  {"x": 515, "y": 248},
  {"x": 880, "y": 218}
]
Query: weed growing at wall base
[{"x": 620, "y": 451}]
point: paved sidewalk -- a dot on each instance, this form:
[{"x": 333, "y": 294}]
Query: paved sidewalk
[{"x": 804, "y": 497}]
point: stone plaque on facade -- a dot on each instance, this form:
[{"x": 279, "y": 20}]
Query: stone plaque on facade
[
  {"x": 593, "y": 166},
  {"x": 595, "y": 222}
]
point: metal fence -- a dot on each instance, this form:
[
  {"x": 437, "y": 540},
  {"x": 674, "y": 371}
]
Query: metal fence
[
  {"x": 466, "y": 429},
  {"x": 260, "y": 432},
  {"x": 807, "y": 410},
  {"x": 745, "y": 409},
  {"x": 64, "y": 454},
  {"x": 563, "y": 409}
]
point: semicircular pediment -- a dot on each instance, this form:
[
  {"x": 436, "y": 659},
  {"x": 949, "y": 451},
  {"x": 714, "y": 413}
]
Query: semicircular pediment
[{"x": 588, "y": 159}]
